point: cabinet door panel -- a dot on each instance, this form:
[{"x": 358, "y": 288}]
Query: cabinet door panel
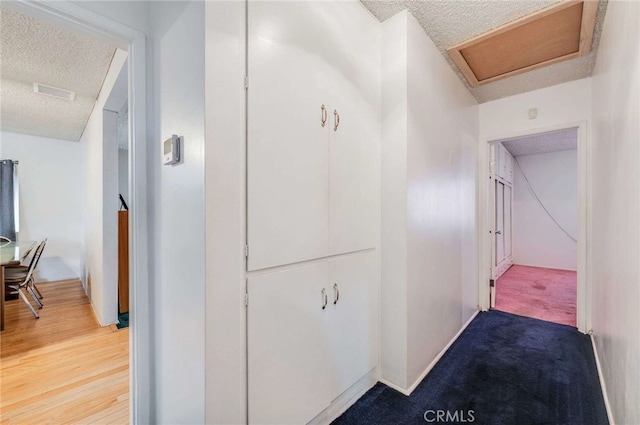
[
  {"x": 499, "y": 222},
  {"x": 355, "y": 145},
  {"x": 353, "y": 319},
  {"x": 503, "y": 162},
  {"x": 507, "y": 221},
  {"x": 505, "y": 168},
  {"x": 288, "y": 149},
  {"x": 289, "y": 358}
]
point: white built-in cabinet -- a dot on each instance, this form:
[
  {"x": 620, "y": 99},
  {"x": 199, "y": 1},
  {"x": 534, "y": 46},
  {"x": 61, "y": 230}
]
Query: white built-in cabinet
[
  {"x": 313, "y": 134},
  {"x": 313, "y": 141},
  {"x": 502, "y": 183},
  {"x": 503, "y": 163},
  {"x": 310, "y": 337}
]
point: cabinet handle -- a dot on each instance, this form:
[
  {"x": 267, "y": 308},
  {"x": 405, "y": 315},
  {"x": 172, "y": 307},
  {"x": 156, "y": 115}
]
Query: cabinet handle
[
  {"x": 336, "y": 118},
  {"x": 498, "y": 232},
  {"x": 324, "y": 298},
  {"x": 336, "y": 293},
  {"x": 323, "y": 118}
]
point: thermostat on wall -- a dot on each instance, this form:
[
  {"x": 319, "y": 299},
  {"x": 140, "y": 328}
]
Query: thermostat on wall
[{"x": 172, "y": 150}]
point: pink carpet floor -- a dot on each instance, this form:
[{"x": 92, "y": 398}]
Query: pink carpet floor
[{"x": 546, "y": 294}]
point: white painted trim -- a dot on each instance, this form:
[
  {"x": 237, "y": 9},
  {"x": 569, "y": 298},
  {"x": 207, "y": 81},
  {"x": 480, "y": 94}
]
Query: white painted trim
[
  {"x": 306, "y": 263},
  {"x": 74, "y": 17},
  {"x": 408, "y": 391},
  {"x": 140, "y": 333},
  {"x": 503, "y": 267},
  {"x": 503, "y": 181},
  {"x": 603, "y": 386},
  {"x": 346, "y": 399},
  {"x": 441, "y": 353},
  {"x": 583, "y": 305},
  {"x": 395, "y": 387}
]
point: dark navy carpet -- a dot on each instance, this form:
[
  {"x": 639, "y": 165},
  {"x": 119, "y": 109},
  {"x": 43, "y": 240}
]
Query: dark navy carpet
[{"x": 507, "y": 369}]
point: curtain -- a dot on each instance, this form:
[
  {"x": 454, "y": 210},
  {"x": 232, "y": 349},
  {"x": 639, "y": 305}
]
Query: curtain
[{"x": 9, "y": 213}]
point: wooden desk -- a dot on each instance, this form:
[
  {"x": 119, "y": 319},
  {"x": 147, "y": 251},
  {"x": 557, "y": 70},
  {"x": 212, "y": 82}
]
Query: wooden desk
[{"x": 11, "y": 253}]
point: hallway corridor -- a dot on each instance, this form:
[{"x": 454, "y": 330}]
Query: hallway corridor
[{"x": 504, "y": 369}]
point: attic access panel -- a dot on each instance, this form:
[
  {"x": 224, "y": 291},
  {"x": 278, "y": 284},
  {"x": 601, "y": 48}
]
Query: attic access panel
[{"x": 559, "y": 32}]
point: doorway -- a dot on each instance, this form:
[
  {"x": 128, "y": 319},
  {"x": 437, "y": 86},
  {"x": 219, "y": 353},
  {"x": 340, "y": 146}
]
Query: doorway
[
  {"x": 534, "y": 255},
  {"x": 76, "y": 18},
  {"x": 501, "y": 252},
  {"x": 116, "y": 188}
]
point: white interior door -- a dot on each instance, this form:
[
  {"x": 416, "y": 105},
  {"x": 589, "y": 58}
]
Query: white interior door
[
  {"x": 288, "y": 148},
  {"x": 499, "y": 228},
  {"x": 507, "y": 231},
  {"x": 290, "y": 366},
  {"x": 353, "y": 319}
]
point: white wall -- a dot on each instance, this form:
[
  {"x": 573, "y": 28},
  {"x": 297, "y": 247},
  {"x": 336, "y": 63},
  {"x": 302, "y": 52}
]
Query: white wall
[
  {"x": 430, "y": 129},
  {"x": 565, "y": 103},
  {"x": 99, "y": 272},
  {"x": 132, "y": 13},
  {"x": 175, "y": 104},
  {"x": 123, "y": 152},
  {"x": 393, "y": 247},
  {"x": 51, "y": 192},
  {"x": 177, "y": 212},
  {"x": 123, "y": 175},
  {"x": 442, "y": 129},
  {"x": 616, "y": 208},
  {"x": 537, "y": 240},
  {"x": 225, "y": 212}
]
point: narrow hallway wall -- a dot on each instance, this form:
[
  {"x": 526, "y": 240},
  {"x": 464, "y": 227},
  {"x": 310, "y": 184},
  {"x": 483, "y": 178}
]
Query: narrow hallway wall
[
  {"x": 616, "y": 208},
  {"x": 429, "y": 268}
]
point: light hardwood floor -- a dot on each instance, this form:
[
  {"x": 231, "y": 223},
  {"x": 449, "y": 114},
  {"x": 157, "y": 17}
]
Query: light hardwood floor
[{"x": 62, "y": 368}]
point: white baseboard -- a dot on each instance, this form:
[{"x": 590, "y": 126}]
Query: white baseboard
[
  {"x": 603, "y": 386},
  {"x": 346, "y": 399},
  {"x": 441, "y": 353},
  {"x": 395, "y": 387},
  {"x": 408, "y": 391},
  {"x": 503, "y": 267}
]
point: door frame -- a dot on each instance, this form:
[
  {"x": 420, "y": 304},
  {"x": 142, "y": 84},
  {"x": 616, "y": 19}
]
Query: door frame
[
  {"x": 491, "y": 225},
  {"x": 584, "y": 296},
  {"x": 73, "y": 17}
]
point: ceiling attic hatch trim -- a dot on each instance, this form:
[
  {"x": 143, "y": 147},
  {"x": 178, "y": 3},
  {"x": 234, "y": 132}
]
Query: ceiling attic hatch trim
[
  {"x": 53, "y": 91},
  {"x": 556, "y": 33}
]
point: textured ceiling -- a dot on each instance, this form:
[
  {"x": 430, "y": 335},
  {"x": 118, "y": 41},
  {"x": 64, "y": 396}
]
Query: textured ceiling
[
  {"x": 34, "y": 51},
  {"x": 543, "y": 143},
  {"x": 449, "y": 22}
]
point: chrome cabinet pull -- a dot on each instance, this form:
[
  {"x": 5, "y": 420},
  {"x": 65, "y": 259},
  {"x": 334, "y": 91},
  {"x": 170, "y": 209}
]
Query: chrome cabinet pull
[
  {"x": 324, "y": 298},
  {"x": 336, "y": 293},
  {"x": 323, "y": 118},
  {"x": 336, "y": 118}
]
